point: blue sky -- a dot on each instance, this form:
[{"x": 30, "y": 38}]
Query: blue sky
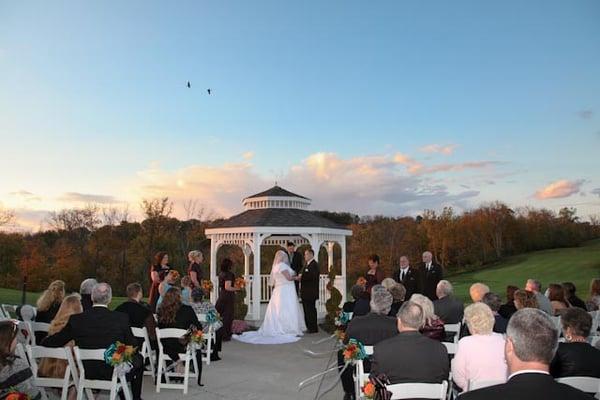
[{"x": 321, "y": 96}]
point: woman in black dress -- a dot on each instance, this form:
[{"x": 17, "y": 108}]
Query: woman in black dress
[
  {"x": 159, "y": 269},
  {"x": 50, "y": 301},
  {"x": 226, "y": 298},
  {"x": 195, "y": 257}
]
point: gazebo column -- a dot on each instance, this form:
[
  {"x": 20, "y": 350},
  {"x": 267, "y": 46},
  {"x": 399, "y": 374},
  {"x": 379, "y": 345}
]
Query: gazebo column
[
  {"x": 247, "y": 251},
  {"x": 213, "y": 268},
  {"x": 343, "y": 246},
  {"x": 256, "y": 281},
  {"x": 330, "y": 255}
]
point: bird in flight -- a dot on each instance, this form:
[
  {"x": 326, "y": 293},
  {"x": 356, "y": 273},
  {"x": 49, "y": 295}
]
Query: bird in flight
[
  {"x": 189, "y": 85},
  {"x": 208, "y": 90}
]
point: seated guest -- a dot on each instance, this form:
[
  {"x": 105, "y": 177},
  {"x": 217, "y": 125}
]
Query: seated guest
[
  {"x": 508, "y": 309},
  {"x": 556, "y": 295},
  {"x": 593, "y": 302},
  {"x": 531, "y": 340},
  {"x": 15, "y": 373},
  {"x": 388, "y": 283},
  {"x": 85, "y": 290},
  {"x": 99, "y": 328},
  {"x": 477, "y": 291},
  {"x": 571, "y": 297},
  {"x": 410, "y": 357},
  {"x": 479, "y": 357},
  {"x": 525, "y": 299},
  {"x": 53, "y": 367},
  {"x": 433, "y": 326},
  {"x": 369, "y": 329},
  {"x": 203, "y": 306},
  {"x": 535, "y": 286},
  {"x": 356, "y": 292},
  {"x": 186, "y": 290},
  {"x": 172, "y": 313},
  {"x": 493, "y": 302},
  {"x": 362, "y": 303},
  {"x": 398, "y": 291},
  {"x": 139, "y": 314},
  {"x": 576, "y": 357},
  {"x": 447, "y": 307},
  {"x": 49, "y": 302},
  {"x": 167, "y": 283}
]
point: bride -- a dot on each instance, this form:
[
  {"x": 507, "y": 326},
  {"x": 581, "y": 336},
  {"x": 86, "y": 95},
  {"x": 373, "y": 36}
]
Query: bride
[{"x": 284, "y": 321}]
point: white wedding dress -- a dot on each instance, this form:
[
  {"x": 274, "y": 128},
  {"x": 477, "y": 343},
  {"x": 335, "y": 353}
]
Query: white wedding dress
[{"x": 284, "y": 319}]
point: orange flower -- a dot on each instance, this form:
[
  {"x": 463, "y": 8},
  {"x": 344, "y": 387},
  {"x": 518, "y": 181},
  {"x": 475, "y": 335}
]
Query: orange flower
[
  {"x": 117, "y": 357},
  {"x": 361, "y": 281},
  {"x": 369, "y": 390}
]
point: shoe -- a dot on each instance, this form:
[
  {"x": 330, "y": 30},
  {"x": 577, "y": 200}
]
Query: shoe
[
  {"x": 349, "y": 396},
  {"x": 215, "y": 357}
]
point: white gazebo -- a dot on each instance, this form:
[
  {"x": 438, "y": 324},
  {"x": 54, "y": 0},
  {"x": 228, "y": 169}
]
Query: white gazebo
[{"x": 274, "y": 217}]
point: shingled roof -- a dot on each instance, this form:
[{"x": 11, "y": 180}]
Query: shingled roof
[
  {"x": 276, "y": 191},
  {"x": 278, "y": 217}
]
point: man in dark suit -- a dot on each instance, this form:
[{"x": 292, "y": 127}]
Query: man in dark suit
[
  {"x": 410, "y": 357},
  {"x": 295, "y": 262},
  {"x": 408, "y": 277},
  {"x": 531, "y": 340},
  {"x": 369, "y": 329},
  {"x": 98, "y": 328},
  {"x": 431, "y": 273},
  {"x": 309, "y": 290},
  {"x": 447, "y": 307},
  {"x": 139, "y": 314},
  {"x": 85, "y": 290}
]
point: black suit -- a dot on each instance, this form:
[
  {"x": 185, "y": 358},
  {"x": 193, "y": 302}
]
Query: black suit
[
  {"x": 411, "y": 281},
  {"x": 410, "y": 357},
  {"x": 527, "y": 386},
  {"x": 296, "y": 264},
  {"x": 508, "y": 309},
  {"x": 86, "y": 302},
  {"x": 577, "y": 302},
  {"x": 369, "y": 329},
  {"x": 430, "y": 279},
  {"x": 500, "y": 324},
  {"x": 449, "y": 309},
  {"x": 140, "y": 316},
  {"x": 309, "y": 293},
  {"x": 98, "y": 328},
  {"x": 576, "y": 359}
]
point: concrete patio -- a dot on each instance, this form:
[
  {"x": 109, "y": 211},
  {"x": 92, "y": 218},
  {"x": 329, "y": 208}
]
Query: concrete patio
[{"x": 257, "y": 372}]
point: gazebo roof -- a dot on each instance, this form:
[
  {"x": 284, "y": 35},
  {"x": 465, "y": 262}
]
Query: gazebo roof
[
  {"x": 276, "y": 191},
  {"x": 278, "y": 217}
]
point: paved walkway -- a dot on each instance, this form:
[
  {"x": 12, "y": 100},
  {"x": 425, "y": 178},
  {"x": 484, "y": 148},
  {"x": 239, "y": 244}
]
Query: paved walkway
[{"x": 257, "y": 372}]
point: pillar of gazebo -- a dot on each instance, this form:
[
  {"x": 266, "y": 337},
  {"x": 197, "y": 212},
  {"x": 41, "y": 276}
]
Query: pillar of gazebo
[{"x": 256, "y": 281}]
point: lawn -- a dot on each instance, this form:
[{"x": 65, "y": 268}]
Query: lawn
[{"x": 576, "y": 264}]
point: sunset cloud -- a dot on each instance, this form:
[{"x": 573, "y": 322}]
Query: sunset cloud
[
  {"x": 74, "y": 197},
  {"x": 440, "y": 149},
  {"x": 249, "y": 155},
  {"x": 559, "y": 189}
]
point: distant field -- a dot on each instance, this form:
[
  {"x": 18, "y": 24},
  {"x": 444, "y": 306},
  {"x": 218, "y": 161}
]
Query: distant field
[{"x": 576, "y": 264}]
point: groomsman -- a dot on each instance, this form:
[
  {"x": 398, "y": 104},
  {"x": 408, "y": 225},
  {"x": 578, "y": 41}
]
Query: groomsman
[
  {"x": 432, "y": 274},
  {"x": 295, "y": 261},
  {"x": 409, "y": 277},
  {"x": 309, "y": 290}
]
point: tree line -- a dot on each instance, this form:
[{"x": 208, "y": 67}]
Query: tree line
[{"x": 106, "y": 244}]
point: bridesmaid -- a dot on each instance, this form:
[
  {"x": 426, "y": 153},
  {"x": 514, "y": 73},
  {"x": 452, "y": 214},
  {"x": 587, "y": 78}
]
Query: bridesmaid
[
  {"x": 195, "y": 257},
  {"x": 374, "y": 275},
  {"x": 158, "y": 271},
  {"x": 226, "y": 298}
]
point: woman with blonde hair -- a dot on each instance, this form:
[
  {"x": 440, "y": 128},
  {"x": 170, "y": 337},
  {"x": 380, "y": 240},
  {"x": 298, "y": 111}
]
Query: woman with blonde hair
[
  {"x": 53, "y": 367},
  {"x": 480, "y": 356},
  {"x": 593, "y": 303},
  {"x": 49, "y": 302},
  {"x": 195, "y": 257},
  {"x": 433, "y": 326}
]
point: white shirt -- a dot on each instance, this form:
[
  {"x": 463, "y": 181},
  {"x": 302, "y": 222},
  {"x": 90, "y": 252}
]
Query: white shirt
[
  {"x": 100, "y": 305},
  {"x": 403, "y": 272},
  {"x": 528, "y": 371}
]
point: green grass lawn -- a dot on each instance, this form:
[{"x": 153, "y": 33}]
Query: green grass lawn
[{"x": 577, "y": 264}]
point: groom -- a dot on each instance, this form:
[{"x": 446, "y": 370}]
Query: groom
[{"x": 309, "y": 290}]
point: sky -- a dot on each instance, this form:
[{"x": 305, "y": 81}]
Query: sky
[{"x": 387, "y": 107}]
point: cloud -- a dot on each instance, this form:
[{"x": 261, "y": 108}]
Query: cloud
[
  {"x": 249, "y": 155},
  {"x": 418, "y": 168},
  {"x": 559, "y": 189},
  {"x": 440, "y": 149},
  {"x": 74, "y": 197},
  {"x": 595, "y": 191},
  {"x": 25, "y": 195},
  {"x": 586, "y": 114}
]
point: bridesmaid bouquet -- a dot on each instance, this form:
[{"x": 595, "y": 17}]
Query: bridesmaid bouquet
[
  {"x": 361, "y": 281},
  {"x": 207, "y": 286},
  {"x": 119, "y": 356},
  {"x": 239, "y": 283}
]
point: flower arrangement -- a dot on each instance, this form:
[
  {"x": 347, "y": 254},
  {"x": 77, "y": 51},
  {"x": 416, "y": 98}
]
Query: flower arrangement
[
  {"x": 212, "y": 317},
  {"x": 342, "y": 319},
  {"x": 207, "y": 286},
  {"x": 353, "y": 351},
  {"x": 239, "y": 283},
  {"x": 15, "y": 395},
  {"x": 361, "y": 281},
  {"x": 369, "y": 390},
  {"x": 197, "y": 339},
  {"x": 119, "y": 356}
]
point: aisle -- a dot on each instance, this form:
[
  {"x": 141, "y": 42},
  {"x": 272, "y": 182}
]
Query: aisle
[{"x": 256, "y": 372}]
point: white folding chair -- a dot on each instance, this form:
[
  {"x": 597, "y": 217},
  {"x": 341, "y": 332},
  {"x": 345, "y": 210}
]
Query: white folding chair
[
  {"x": 25, "y": 335},
  {"x": 146, "y": 350},
  {"x": 9, "y": 310},
  {"x": 584, "y": 383},
  {"x": 21, "y": 353},
  {"x": 557, "y": 323},
  {"x": 173, "y": 333},
  {"x": 418, "y": 390},
  {"x": 37, "y": 327},
  {"x": 114, "y": 385},
  {"x": 453, "y": 328},
  {"x": 450, "y": 347},
  {"x": 360, "y": 376},
  {"x": 209, "y": 338},
  {"x": 62, "y": 353},
  {"x": 594, "y": 340},
  {"x": 350, "y": 315},
  {"x": 474, "y": 385},
  {"x": 595, "y": 322}
]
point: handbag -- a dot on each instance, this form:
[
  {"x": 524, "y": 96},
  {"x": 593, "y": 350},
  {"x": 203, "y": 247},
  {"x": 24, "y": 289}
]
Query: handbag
[{"x": 380, "y": 381}]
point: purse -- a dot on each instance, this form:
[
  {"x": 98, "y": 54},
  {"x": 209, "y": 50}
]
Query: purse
[{"x": 380, "y": 381}]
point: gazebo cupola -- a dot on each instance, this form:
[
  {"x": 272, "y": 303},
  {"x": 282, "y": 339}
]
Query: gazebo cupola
[{"x": 276, "y": 197}]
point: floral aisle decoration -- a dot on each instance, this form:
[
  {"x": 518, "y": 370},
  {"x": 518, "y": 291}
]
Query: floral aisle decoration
[{"x": 120, "y": 356}]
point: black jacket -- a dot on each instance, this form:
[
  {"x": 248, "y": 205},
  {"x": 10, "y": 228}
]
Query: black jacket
[
  {"x": 449, "y": 309},
  {"x": 508, "y": 309},
  {"x": 97, "y": 328},
  {"x": 527, "y": 386},
  {"x": 371, "y": 329},
  {"x": 309, "y": 283},
  {"x": 412, "y": 281},
  {"x": 296, "y": 262},
  {"x": 411, "y": 357},
  {"x": 430, "y": 279},
  {"x": 576, "y": 359},
  {"x": 86, "y": 302}
]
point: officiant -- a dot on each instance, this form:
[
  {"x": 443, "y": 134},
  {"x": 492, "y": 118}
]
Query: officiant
[{"x": 295, "y": 261}]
